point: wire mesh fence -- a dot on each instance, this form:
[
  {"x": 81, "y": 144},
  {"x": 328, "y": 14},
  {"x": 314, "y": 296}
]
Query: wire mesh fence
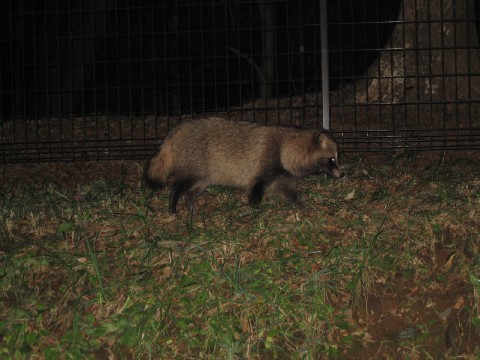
[{"x": 92, "y": 80}]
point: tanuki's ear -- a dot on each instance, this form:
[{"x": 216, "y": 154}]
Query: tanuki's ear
[{"x": 322, "y": 138}]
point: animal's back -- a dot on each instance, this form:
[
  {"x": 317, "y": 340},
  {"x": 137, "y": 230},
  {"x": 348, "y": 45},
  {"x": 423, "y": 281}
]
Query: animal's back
[{"x": 223, "y": 152}]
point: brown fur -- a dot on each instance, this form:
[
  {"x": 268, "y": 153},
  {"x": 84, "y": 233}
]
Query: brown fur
[{"x": 257, "y": 159}]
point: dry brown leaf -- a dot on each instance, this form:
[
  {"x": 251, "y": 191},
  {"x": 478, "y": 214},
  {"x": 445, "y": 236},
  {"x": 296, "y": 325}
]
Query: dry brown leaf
[
  {"x": 350, "y": 195},
  {"x": 459, "y": 304}
]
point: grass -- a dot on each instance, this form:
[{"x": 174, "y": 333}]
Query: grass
[{"x": 382, "y": 263}]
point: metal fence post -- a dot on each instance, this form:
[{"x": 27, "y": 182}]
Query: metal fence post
[{"x": 325, "y": 77}]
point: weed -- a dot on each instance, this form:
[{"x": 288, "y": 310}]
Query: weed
[{"x": 368, "y": 268}]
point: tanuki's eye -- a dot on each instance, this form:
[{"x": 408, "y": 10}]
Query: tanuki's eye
[{"x": 332, "y": 162}]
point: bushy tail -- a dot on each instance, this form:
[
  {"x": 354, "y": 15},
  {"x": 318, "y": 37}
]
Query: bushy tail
[{"x": 152, "y": 173}]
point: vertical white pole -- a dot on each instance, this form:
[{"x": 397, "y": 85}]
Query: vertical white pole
[{"x": 325, "y": 77}]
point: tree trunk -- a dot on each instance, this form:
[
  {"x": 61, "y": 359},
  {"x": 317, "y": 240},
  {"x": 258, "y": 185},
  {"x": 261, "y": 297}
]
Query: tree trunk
[{"x": 431, "y": 63}]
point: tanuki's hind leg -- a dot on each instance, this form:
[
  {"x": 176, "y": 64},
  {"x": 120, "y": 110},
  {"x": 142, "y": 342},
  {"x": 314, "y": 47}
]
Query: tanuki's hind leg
[
  {"x": 192, "y": 194},
  {"x": 178, "y": 189}
]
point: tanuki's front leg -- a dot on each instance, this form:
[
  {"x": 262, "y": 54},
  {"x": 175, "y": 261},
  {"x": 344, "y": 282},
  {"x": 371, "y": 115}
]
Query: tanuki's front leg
[{"x": 255, "y": 194}]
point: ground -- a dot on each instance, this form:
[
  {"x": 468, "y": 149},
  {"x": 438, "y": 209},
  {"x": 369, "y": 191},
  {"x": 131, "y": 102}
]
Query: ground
[{"x": 383, "y": 263}]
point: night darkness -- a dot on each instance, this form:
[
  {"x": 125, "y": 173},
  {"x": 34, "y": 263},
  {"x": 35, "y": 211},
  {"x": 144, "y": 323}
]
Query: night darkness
[{"x": 135, "y": 57}]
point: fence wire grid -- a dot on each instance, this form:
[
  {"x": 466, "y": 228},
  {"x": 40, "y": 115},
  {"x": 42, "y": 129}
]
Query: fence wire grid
[{"x": 107, "y": 79}]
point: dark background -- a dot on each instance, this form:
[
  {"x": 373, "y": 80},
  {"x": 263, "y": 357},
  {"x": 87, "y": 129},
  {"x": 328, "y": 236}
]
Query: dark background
[{"x": 68, "y": 58}]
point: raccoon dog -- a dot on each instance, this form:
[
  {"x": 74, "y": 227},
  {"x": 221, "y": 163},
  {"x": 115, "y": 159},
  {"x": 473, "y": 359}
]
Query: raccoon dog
[{"x": 257, "y": 159}]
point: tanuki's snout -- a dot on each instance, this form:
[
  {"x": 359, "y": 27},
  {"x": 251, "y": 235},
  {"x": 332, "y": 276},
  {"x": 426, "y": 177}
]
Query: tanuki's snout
[{"x": 336, "y": 173}]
